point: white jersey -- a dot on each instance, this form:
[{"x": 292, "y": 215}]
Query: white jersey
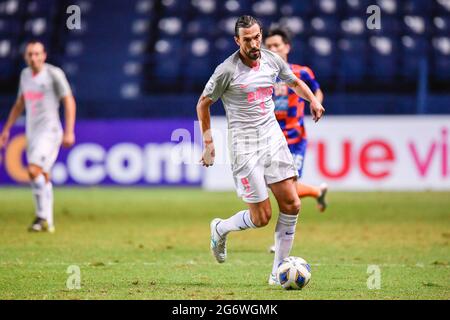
[
  {"x": 42, "y": 94},
  {"x": 246, "y": 94}
]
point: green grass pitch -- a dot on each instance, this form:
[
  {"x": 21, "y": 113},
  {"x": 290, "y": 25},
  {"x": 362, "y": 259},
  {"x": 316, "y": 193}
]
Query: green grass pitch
[{"x": 154, "y": 244}]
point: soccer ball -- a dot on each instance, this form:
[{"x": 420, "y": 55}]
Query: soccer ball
[{"x": 294, "y": 273}]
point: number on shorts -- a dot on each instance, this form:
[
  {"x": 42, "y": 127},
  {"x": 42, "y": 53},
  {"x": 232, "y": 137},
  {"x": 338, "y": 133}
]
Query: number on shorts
[{"x": 246, "y": 184}]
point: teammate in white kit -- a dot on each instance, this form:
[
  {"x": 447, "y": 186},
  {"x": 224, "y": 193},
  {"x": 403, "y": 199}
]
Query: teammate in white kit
[
  {"x": 259, "y": 154},
  {"x": 42, "y": 87}
]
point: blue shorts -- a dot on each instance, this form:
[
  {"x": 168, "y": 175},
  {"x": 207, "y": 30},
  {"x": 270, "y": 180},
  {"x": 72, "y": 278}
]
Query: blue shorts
[{"x": 298, "y": 151}]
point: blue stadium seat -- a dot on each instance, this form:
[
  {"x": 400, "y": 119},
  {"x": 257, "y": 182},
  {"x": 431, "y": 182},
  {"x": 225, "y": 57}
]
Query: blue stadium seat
[
  {"x": 201, "y": 27},
  {"x": 442, "y": 7},
  {"x": 301, "y": 8},
  {"x": 299, "y": 50},
  {"x": 234, "y": 7},
  {"x": 389, "y": 7},
  {"x": 197, "y": 68},
  {"x": 322, "y": 57},
  {"x": 8, "y": 48},
  {"x": 204, "y": 7},
  {"x": 416, "y": 25},
  {"x": 352, "y": 26},
  {"x": 441, "y": 58},
  {"x": 10, "y": 27},
  {"x": 171, "y": 27},
  {"x": 226, "y": 26},
  {"x": 328, "y": 7},
  {"x": 441, "y": 25},
  {"x": 11, "y": 8},
  {"x": 417, "y": 7},
  {"x": 383, "y": 58},
  {"x": 167, "y": 60},
  {"x": 325, "y": 25},
  {"x": 267, "y": 9},
  {"x": 41, "y": 8},
  {"x": 38, "y": 27},
  {"x": 296, "y": 25},
  {"x": 414, "y": 49},
  {"x": 356, "y": 7},
  {"x": 177, "y": 8},
  {"x": 390, "y": 26},
  {"x": 7, "y": 69},
  {"x": 223, "y": 48},
  {"x": 352, "y": 59}
]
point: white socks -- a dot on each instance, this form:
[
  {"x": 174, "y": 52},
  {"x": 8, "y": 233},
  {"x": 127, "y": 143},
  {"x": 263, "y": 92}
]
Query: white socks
[
  {"x": 240, "y": 221},
  {"x": 284, "y": 238},
  {"x": 49, "y": 204},
  {"x": 38, "y": 190},
  {"x": 43, "y": 198}
]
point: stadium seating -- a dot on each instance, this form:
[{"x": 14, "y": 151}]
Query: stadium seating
[{"x": 145, "y": 47}]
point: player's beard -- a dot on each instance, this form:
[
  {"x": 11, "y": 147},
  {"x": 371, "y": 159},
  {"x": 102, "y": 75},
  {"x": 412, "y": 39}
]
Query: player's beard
[{"x": 254, "y": 54}]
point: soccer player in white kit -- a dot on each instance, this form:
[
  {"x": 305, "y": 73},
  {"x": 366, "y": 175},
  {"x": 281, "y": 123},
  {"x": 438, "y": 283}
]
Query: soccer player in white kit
[
  {"x": 42, "y": 87},
  {"x": 259, "y": 154}
]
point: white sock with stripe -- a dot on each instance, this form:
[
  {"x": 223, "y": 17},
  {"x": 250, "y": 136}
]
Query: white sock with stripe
[
  {"x": 284, "y": 238},
  {"x": 240, "y": 221}
]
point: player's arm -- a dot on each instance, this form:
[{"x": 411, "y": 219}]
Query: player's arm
[
  {"x": 307, "y": 75},
  {"x": 214, "y": 89},
  {"x": 15, "y": 112},
  {"x": 63, "y": 91},
  {"x": 319, "y": 95},
  {"x": 69, "y": 116},
  {"x": 204, "y": 118},
  {"x": 302, "y": 90}
]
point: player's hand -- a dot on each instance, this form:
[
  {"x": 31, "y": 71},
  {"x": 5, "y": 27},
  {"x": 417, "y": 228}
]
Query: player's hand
[
  {"x": 317, "y": 110},
  {"x": 208, "y": 155},
  {"x": 4, "y": 137},
  {"x": 68, "y": 139}
]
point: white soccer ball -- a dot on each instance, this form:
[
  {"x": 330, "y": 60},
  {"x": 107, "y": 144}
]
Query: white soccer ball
[{"x": 294, "y": 273}]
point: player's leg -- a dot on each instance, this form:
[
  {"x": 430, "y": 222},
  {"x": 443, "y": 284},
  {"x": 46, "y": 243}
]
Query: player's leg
[
  {"x": 252, "y": 188},
  {"x": 49, "y": 201},
  {"x": 42, "y": 154},
  {"x": 38, "y": 187},
  {"x": 47, "y": 166},
  {"x": 298, "y": 151},
  {"x": 256, "y": 216},
  {"x": 289, "y": 205}
]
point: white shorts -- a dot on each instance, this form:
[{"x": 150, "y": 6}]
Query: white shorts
[
  {"x": 43, "y": 149},
  {"x": 261, "y": 170}
]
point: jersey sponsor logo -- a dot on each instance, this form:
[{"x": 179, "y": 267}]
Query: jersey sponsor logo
[
  {"x": 33, "y": 95},
  {"x": 259, "y": 94}
]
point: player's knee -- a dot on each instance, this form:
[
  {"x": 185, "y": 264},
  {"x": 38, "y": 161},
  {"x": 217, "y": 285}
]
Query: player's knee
[
  {"x": 292, "y": 205},
  {"x": 34, "y": 172}
]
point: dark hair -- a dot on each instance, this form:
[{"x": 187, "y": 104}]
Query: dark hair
[
  {"x": 284, "y": 34},
  {"x": 34, "y": 41},
  {"x": 245, "y": 22}
]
